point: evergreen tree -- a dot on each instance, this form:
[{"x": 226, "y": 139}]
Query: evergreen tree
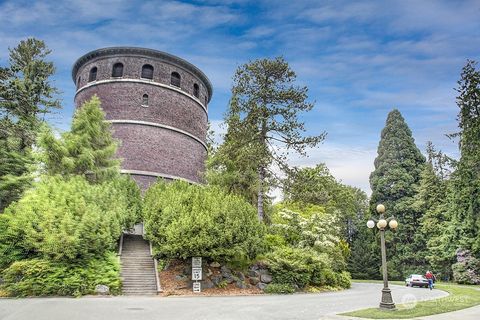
[
  {"x": 465, "y": 205},
  {"x": 88, "y": 149},
  {"x": 394, "y": 183},
  {"x": 431, "y": 201},
  {"x": 262, "y": 119},
  {"x": 364, "y": 261},
  {"x": 26, "y": 95}
]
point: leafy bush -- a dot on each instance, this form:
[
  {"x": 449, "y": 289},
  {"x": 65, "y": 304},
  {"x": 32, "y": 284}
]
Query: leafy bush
[
  {"x": 311, "y": 228},
  {"x": 295, "y": 266},
  {"x": 303, "y": 266},
  {"x": 66, "y": 220},
  {"x": 344, "y": 280},
  {"x": 282, "y": 288},
  {"x": 184, "y": 220},
  {"x": 42, "y": 277},
  {"x": 466, "y": 270}
]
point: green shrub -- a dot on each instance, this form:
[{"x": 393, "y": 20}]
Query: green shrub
[
  {"x": 42, "y": 277},
  {"x": 184, "y": 220},
  {"x": 279, "y": 288},
  {"x": 222, "y": 284},
  {"x": 328, "y": 278},
  {"x": 467, "y": 269},
  {"x": 302, "y": 267},
  {"x": 295, "y": 266},
  {"x": 66, "y": 220},
  {"x": 344, "y": 280}
]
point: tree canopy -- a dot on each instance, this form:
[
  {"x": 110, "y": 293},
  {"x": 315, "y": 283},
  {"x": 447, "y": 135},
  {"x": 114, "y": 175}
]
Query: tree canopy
[{"x": 263, "y": 124}]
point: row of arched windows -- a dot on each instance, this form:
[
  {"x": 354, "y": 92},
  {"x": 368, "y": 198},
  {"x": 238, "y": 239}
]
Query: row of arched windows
[{"x": 147, "y": 73}]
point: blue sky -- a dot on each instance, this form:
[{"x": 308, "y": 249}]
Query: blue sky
[{"x": 359, "y": 59}]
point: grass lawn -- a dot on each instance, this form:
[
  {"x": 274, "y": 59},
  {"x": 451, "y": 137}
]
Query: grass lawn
[{"x": 460, "y": 297}]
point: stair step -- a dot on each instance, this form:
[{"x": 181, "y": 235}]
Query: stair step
[{"x": 137, "y": 267}]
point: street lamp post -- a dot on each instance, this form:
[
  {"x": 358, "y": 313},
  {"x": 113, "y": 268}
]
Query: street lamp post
[{"x": 387, "y": 301}]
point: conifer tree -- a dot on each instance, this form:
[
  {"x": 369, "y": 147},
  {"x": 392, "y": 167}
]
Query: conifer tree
[
  {"x": 431, "y": 200},
  {"x": 465, "y": 206},
  {"x": 263, "y": 122},
  {"x": 26, "y": 95},
  {"x": 398, "y": 167},
  {"x": 88, "y": 149}
]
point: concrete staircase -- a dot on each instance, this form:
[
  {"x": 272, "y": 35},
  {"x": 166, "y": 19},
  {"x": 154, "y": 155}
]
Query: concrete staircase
[{"x": 137, "y": 267}]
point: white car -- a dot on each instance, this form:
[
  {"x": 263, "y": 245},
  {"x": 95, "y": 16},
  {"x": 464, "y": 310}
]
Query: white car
[{"x": 416, "y": 280}]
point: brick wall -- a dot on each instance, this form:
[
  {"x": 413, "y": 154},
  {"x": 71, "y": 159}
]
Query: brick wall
[{"x": 154, "y": 149}]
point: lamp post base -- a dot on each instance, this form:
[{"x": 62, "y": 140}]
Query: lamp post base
[{"x": 387, "y": 301}]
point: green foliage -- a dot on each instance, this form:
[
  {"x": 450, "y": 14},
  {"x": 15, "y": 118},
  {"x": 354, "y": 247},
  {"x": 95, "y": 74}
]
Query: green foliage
[
  {"x": 319, "y": 230},
  {"x": 295, "y": 266},
  {"x": 26, "y": 95},
  {"x": 467, "y": 268},
  {"x": 263, "y": 112},
  {"x": 222, "y": 284},
  {"x": 344, "y": 279},
  {"x": 279, "y": 288},
  {"x": 306, "y": 247},
  {"x": 184, "y": 220},
  {"x": 88, "y": 149},
  {"x": 394, "y": 182},
  {"x": 364, "y": 260},
  {"x": 300, "y": 267},
  {"x": 43, "y": 277},
  {"x": 432, "y": 200},
  {"x": 66, "y": 220},
  {"x": 465, "y": 200}
]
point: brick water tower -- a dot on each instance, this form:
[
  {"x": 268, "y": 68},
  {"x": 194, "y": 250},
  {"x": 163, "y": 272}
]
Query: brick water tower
[{"x": 157, "y": 104}]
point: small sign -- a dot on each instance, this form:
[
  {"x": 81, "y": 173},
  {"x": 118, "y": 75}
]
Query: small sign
[
  {"x": 196, "y": 273},
  {"x": 196, "y": 262},
  {"x": 197, "y": 287}
]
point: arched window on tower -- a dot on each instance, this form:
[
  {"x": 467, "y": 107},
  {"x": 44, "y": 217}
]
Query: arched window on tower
[
  {"x": 147, "y": 71},
  {"x": 93, "y": 74},
  {"x": 206, "y": 101},
  {"x": 145, "y": 100},
  {"x": 175, "y": 79},
  {"x": 117, "y": 70},
  {"x": 78, "y": 82},
  {"x": 196, "y": 90}
]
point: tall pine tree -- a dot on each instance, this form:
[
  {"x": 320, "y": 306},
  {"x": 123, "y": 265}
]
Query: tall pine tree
[
  {"x": 88, "y": 149},
  {"x": 263, "y": 124},
  {"x": 26, "y": 95},
  {"x": 465, "y": 205},
  {"x": 394, "y": 183},
  {"x": 431, "y": 199}
]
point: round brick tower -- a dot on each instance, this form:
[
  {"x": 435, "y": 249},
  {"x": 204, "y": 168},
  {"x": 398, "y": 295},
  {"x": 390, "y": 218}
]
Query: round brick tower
[{"x": 157, "y": 104}]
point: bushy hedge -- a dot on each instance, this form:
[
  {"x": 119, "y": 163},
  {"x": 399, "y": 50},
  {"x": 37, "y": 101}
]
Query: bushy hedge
[
  {"x": 300, "y": 267},
  {"x": 184, "y": 220},
  {"x": 306, "y": 249},
  {"x": 42, "y": 277},
  {"x": 67, "y": 220}
]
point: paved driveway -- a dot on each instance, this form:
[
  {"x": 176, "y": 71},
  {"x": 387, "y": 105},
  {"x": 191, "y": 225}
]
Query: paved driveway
[{"x": 297, "y": 306}]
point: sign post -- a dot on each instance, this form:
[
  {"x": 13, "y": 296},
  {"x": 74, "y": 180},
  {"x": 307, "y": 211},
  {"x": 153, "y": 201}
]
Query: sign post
[{"x": 197, "y": 273}]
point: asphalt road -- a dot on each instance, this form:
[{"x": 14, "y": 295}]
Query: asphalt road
[{"x": 297, "y": 306}]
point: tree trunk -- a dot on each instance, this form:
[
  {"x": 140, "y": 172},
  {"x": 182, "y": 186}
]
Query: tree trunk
[{"x": 261, "y": 178}]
